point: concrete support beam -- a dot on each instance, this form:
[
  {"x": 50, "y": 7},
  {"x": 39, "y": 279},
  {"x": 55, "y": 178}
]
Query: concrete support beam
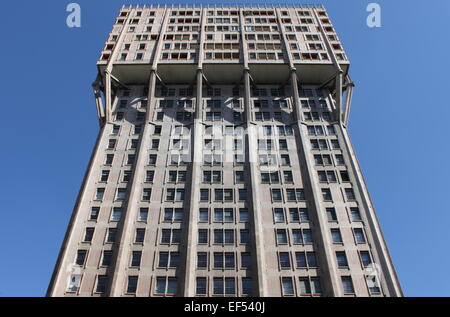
[
  {"x": 108, "y": 97},
  {"x": 338, "y": 96},
  {"x": 98, "y": 103},
  {"x": 348, "y": 102}
]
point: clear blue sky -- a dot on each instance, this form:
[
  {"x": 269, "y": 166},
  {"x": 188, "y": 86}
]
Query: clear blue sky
[{"x": 399, "y": 122}]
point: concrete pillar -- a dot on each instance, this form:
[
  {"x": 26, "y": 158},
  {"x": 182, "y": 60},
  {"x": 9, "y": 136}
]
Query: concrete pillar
[{"x": 190, "y": 224}]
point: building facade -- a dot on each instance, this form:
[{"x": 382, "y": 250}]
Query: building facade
[{"x": 223, "y": 164}]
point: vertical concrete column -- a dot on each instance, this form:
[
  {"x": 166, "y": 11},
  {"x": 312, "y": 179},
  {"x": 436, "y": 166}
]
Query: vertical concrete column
[
  {"x": 108, "y": 97},
  {"x": 338, "y": 97},
  {"x": 322, "y": 234},
  {"x": 348, "y": 101},
  {"x": 252, "y": 168},
  {"x": 190, "y": 225},
  {"x": 98, "y": 103}
]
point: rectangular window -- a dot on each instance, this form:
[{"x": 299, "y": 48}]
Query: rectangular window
[
  {"x": 347, "y": 285},
  {"x": 200, "y": 288},
  {"x": 102, "y": 281}
]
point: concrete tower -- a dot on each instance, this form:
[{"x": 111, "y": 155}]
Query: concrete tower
[{"x": 223, "y": 165}]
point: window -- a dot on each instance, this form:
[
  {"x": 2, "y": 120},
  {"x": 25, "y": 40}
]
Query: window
[
  {"x": 109, "y": 159},
  {"x": 339, "y": 159},
  {"x": 136, "y": 258},
  {"x": 350, "y": 194},
  {"x": 169, "y": 259},
  {"x": 239, "y": 176},
  {"x": 299, "y": 214},
  {"x": 223, "y": 195},
  {"x": 131, "y": 158},
  {"x": 170, "y": 236},
  {"x": 302, "y": 236},
  {"x": 246, "y": 260},
  {"x": 173, "y": 214},
  {"x": 149, "y": 176},
  {"x": 202, "y": 260},
  {"x": 278, "y": 214},
  {"x": 143, "y": 214},
  {"x": 242, "y": 194},
  {"x": 224, "y": 286},
  {"x": 295, "y": 194},
  {"x": 281, "y": 236},
  {"x": 102, "y": 281},
  {"x": 166, "y": 285},
  {"x": 152, "y": 159},
  {"x": 305, "y": 259},
  {"x": 94, "y": 213},
  {"x": 140, "y": 235},
  {"x": 347, "y": 285},
  {"x": 344, "y": 176},
  {"x": 126, "y": 176},
  {"x": 327, "y": 176},
  {"x": 245, "y": 236},
  {"x": 270, "y": 177},
  {"x": 121, "y": 193},
  {"x": 223, "y": 215},
  {"x": 99, "y": 194},
  {"x": 336, "y": 236},
  {"x": 116, "y": 214},
  {"x": 276, "y": 195},
  {"x": 359, "y": 235},
  {"x": 203, "y": 215},
  {"x": 326, "y": 194},
  {"x": 243, "y": 215},
  {"x": 224, "y": 260},
  {"x": 287, "y": 286},
  {"x": 355, "y": 214},
  {"x": 200, "y": 288},
  {"x": 331, "y": 214},
  {"x": 111, "y": 235},
  {"x": 284, "y": 260},
  {"x": 365, "y": 257},
  {"x": 310, "y": 286},
  {"x": 81, "y": 257},
  {"x": 175, "y": 194},
  {"x": 88, "y": 235},
  {"x": 341, "y": 259},
  {"x": 223, "y": 236},
  {"x": 106, "y": 258},
  {"x": 247, "y": 286},
  {"x": 202, "y": 236},
  {"x": 74, "y": 283},
  {"x": 146, "y": 194},
  {"x": 104, "y": 176}
]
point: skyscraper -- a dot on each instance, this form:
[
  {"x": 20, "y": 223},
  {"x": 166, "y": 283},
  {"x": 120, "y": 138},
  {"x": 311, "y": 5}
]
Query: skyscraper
[{"x": 223, "y": 165}]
